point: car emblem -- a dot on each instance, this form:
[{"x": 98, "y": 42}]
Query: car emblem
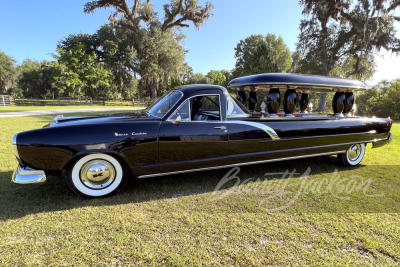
[
  {"x": 140, "y": 133},
  {"x": 119, "y": 134}
]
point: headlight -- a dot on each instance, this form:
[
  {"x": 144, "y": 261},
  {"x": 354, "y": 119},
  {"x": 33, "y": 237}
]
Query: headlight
[{"x": 14, "y": 142}]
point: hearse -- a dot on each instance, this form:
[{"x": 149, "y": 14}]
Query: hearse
[{"x": 201, "y": 127}]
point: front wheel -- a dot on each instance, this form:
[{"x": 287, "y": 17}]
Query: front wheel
[
  {"x": 96, "y": 175},
  {"x": 353, "y": 156}
]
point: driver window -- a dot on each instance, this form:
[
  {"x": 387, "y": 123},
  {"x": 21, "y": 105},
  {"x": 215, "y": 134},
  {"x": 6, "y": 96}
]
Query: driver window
[
  {"x": 205, "y": 108},
  {"x": 183, "y": 111}
]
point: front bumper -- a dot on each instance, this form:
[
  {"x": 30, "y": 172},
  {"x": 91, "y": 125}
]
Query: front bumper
[{"x": 26, "y": 175}]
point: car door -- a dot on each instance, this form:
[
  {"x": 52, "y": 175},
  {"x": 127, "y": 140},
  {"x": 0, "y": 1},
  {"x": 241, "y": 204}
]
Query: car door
[{"x": 199, "y": 140}]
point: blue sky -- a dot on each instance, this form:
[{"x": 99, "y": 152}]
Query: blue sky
[{"x": 32, "y": 29}]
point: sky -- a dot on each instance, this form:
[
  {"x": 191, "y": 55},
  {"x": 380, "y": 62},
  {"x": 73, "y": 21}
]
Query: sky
[{"x": 32, "y": 29}]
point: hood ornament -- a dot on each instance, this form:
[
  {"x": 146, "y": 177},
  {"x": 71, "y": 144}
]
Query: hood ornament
[{"x": 58, "y": 117}]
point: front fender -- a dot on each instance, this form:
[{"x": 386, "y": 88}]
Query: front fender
[{"x": 52, "y": 148}]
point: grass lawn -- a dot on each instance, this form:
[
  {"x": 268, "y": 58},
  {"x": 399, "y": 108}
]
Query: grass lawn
[
  {"x": 34, "y": 108},
  {"x": 179, "y": 220}
]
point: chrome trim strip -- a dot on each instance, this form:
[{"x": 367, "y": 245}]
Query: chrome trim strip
[
  {"x": 318, "y": 136},
  {"x": 376, "y": 143},
  {"x": 265, "y": 128},
  {"x": 28, "y": 176},
  {"x": 185, "y": 161},
  {"x": 305, "y": 148},
  {"x": 241, "y": 164},
  {"x": 240, "y": 116}
]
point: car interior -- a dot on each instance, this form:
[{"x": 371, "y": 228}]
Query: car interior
[
  {"x": 205, "y": 108},
  {"x": 202, "y": 108}
]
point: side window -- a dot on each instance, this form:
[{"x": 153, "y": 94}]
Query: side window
[
  {"x": 183, "y": 111},
  {"x": 236, "y": 109},
  {"x": 205, "y": 108}
]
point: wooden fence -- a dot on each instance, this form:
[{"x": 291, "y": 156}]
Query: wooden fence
[
  {"x": 5, "y": 100},
  {"x": 135, "y": 102},
  {"x": 62, "y": 101}
]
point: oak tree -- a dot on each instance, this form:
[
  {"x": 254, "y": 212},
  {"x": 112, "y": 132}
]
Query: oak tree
[
  {"x": 259, "y": 54},
  {"x": 150, "y": 45},
  {"x": 7, "y": 72},
  {"x": 77, "y": 74},
  {"x": 337, "y": 33}
]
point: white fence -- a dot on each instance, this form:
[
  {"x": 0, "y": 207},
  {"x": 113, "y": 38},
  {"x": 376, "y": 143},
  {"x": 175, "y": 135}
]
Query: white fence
[{"x": 5, "y": 100}]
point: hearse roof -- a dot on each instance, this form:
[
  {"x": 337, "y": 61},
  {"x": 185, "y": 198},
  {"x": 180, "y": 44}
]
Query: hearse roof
[{"x": 296, "y": 81}]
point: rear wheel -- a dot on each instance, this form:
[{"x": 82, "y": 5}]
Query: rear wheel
[
  {"x": 353, "y": 156},
  {"x": 96, "y": 175}
]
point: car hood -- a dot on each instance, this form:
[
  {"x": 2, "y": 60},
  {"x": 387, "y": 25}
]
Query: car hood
[{"x": 97, "y": 119}]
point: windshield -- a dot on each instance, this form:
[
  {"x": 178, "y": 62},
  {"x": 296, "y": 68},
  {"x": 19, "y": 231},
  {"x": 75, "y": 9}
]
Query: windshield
[{"x": 164, "y": 104}]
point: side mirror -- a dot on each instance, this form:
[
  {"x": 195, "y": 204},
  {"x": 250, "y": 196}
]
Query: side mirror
[{"x": 177, "y": 120}]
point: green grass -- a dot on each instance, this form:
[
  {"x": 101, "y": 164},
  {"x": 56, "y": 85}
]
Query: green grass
[
  {"x": 176, "y": 220},
  {"x": 35, "y": 108}
]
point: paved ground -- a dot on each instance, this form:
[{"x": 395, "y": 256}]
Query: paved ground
[{"x": 58, "y": 111}]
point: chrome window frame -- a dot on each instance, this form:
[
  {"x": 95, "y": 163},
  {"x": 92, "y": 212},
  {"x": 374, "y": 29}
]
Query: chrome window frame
[
  {"x": 190, "y": 115},
  {"x": 237, "y": 116},
  {"x": 162, "y": 117}
]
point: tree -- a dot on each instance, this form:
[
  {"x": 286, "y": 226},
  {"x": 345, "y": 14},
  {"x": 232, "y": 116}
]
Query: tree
[
  {"x": 29, "y": 78},
  {"x": 244, "y": 52},
  {"x": 279, "y": 52},
  {"x": 113, "y": 51},
  {"x": 272, "y": 50},
  {"x": 77, "y": 74},
  {"x": 35, "y": 79},
  {"x": 345, "y": 33},
  {"x": 297, "y": 56},
  {"x": 382, "y": 100},
  {"x": 199, "y": 78},
  {"x": 8, "y": 72},
  {"x": 262, "y": 61},
  {"x": 149, "y": 32},
  {"x": 228, "y": 76},
  {"x": 217, "y": 77}
]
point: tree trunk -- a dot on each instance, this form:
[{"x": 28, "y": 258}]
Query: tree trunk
[
  {"x": 321, "y": 102},
  {"x": 327, "y": 67},
  {"x": 153, "y": 88}
]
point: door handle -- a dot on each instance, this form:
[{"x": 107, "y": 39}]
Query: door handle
[{"x": 220, "y": 127}]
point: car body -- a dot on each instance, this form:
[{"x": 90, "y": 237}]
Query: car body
[{"x": 195, "y": 128}]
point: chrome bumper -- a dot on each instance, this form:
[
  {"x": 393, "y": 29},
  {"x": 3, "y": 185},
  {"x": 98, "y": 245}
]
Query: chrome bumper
[
  {"x": 380, "y": 143},
  {"x": 28, "y": 176}
]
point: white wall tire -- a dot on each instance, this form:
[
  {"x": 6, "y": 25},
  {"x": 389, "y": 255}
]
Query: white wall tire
[
  {"x": 96, "y": 175},
  {"x": 353, "y": 155}
]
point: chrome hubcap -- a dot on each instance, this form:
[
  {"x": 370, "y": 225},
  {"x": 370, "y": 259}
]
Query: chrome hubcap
[
  {"x": 97, "y": 174},
  {"x": 354, "y": 152}
]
